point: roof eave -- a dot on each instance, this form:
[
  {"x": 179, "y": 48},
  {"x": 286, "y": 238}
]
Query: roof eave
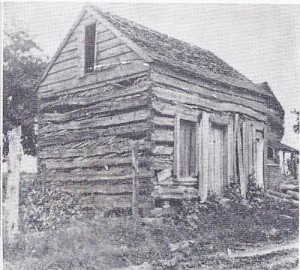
[
  {"x": 61, "y": 46},
  {"x": 195, "y": 71}
]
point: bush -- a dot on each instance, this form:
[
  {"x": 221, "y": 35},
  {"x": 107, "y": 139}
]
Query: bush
[
  {"x": 46, "y": 207},
  {"x": 224, "y": 225},
  {"x": 255, "y": 194},
  {"x": 233, "y": 193},
  {"x": 293, "y": 165}
]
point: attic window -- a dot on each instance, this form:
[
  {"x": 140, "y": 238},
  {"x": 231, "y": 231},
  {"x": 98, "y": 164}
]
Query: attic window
[{"x": 90, "y": 40}]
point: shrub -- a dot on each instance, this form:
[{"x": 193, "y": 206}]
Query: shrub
[
  {"x": 233, "y": 193},
  {"x": 293, "y": 165},
  {"x": 255, "y": 194},
  {"x": 47, "y": 207}
]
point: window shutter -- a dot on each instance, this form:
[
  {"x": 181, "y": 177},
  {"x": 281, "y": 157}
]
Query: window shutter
[{"x": 90, "y": 41}]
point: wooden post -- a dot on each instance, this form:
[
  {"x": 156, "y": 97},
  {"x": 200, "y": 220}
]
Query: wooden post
[
  {"x": 13, "y": 182},
  {"x": 246, "y": 152},
  {"x": 235, "y": 138},
  {"x": 135, "y": 184},
  {"x": 265, "y": 158},
  {"x": 205, "y": 137},
  {"x": 241, "y": 165}
]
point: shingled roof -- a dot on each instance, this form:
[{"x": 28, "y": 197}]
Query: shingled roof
[{"x": 162, "y": 48}]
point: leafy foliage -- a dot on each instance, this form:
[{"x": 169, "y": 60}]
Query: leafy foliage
[
  {"x": 293, "y": 165},
  {"x": 233, "y": 193},
  {"x": 296, "y": 127},
  {"x": 21, "y": 69},
  {"x": 255, "y": 194},
  {"x": 108, "y": 243},
  {"x": 47, "y": 207},
  {"x": 224, "y": 225}
]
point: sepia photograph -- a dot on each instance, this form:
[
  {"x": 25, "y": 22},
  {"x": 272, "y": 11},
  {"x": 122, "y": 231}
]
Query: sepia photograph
[{"x": 150, "y": 136}]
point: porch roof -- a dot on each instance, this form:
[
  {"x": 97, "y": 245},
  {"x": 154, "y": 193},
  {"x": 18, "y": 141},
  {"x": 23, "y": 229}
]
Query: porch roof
[{"x": 283, "y": 147}]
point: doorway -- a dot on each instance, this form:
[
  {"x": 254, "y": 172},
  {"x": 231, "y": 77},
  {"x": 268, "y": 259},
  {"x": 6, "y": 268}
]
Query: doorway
[
  {"x": 259, "y": 158},
  {"x": 218, "y": 158}
]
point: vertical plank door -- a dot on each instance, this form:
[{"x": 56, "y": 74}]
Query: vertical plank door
[
  {"x": 217, "y": 159},
  {"x": 259, "y": 162}
]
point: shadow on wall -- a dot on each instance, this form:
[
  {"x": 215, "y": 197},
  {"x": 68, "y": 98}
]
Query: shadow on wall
[{"x": 28, "y": 164}]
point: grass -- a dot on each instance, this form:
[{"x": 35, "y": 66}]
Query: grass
[{"x": 107, "y": 243}]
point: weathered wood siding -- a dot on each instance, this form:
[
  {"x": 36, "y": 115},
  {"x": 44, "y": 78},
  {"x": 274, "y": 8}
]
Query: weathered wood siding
[
  {"x": 86, "y": 123},
  {"x": 173, "y": 93}
]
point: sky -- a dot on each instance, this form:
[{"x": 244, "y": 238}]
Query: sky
[{"x": 260, "y": 41}]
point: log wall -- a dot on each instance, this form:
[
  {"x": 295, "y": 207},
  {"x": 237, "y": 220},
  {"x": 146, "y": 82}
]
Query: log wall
[
  {"x": 87, "y": 123},
  {"x": 172, "y": 94}
]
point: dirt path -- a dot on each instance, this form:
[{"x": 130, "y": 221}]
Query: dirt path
[
  {"x": 268, "y": 257},
  {"x": 265, "y": 250}
]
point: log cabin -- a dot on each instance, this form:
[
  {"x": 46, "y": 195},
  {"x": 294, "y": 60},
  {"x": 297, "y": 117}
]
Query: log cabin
[{"x": 197, "y": 122}]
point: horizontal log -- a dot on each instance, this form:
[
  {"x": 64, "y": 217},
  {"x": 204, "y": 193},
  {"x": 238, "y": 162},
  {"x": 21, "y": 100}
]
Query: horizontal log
[
  {"x": 109, "y": 202},
  {"x": 291, "y": 187},
  {"x": 278, "y": 199},
  {"x": 163, "y": 71},
  {"x": 293, "y": 194},
  {"x": 69, "y": 63},
  {"x": 90, "y": 148},
  {"x": 176, "y": 192},
  {"x": 61, "y": 76},
  {"x": 66, "y": 57},
  {"x": 279, "y": 194},
  {"x": 60, "y": 138},
  {"x": 215, "y": 78},
  {"x": 113, "y": 170},
  {"x": 163, "y": 107},
  {"x": 106, "y": 187},
  {"x": 88, "y": 162},
  {"x": 162, "y": 135},
  {"x": 101, "y": 46},
  {"x": 194, "y": 99},
  {"x": 113, "y": 51},
  {"x": 97, "y": 122},
  {"x": 105, "y": 36},
  {"x": 99, "y": 189},
  {"x": 114, "y": 60},
  {"x": 63, "y": 57},
  {"x": 100, "y": 28},
  {"x": 163, "y": 121},
  {"x": 71, "y": 45},
  {"x": 161, "y": 162},
  {"x": 112, "y": 176},
  {"x": 104, "y": 108},
  {"x": 116, "y": 72},
  {"x": 101, "y": 94},
  {"x": 162, "y": 150},
  {"x": 211, "y": 94}
]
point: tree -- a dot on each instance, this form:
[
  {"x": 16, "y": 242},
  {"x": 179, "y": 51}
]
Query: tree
[
  {"x": 21, "y": 69},
  {"x": 296, "y": 127}
]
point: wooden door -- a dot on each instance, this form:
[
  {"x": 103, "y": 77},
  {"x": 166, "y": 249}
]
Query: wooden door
[
  {"x": 259, "y": 158},
  {"x": 217, "y": 159}
]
